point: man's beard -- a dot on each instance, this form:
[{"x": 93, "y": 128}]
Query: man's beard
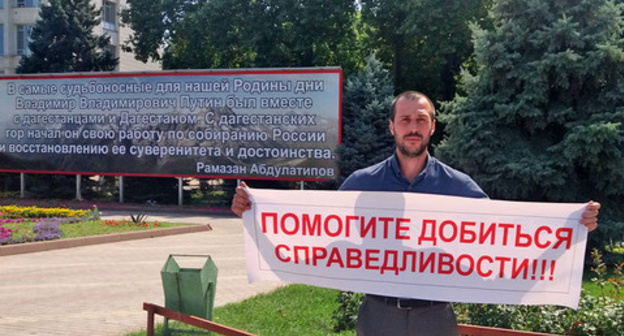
[{"x": 420, "y": 150}]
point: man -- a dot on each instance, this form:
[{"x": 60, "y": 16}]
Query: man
[{"x": 410, "y": 169}]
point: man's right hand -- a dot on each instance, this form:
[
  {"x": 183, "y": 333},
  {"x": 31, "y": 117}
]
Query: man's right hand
[{"x": 240, "y": 202}]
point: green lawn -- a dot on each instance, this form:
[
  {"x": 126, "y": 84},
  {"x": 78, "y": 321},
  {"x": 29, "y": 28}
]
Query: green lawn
[
  {"x": 290, "y": 310},
  {"x": 595, "y": 289}
]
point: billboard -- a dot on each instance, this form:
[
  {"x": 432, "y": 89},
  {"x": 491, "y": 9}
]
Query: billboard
[{"x": 248, "y": 123}]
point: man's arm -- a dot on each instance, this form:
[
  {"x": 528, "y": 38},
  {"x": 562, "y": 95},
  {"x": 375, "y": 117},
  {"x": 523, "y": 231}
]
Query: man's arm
[{"x": 240, "y": 201}]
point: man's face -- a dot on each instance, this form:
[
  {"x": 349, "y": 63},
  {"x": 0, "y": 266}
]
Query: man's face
[{"x": 412, "y": 126}]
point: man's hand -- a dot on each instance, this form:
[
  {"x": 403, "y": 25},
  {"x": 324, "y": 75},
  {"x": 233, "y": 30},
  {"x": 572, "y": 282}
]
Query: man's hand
[
  {"x": 590, "y": 216},
  {"x": 240, "y": 202}
]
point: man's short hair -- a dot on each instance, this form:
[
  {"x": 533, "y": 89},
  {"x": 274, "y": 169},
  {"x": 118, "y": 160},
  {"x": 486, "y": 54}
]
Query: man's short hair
[{"x": 411, "y": 95}]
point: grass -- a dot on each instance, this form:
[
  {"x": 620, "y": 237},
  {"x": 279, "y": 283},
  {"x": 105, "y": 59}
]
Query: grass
[
  {"x": 90, "y": 227},
  {"x": 290, "y": 310},
  {"x": 595, "y": 289},
  {"x": 99, "y": 227}
]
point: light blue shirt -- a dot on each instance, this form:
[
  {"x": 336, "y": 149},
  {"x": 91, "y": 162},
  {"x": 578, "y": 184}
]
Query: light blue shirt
[{"x": 435, "y": 178}]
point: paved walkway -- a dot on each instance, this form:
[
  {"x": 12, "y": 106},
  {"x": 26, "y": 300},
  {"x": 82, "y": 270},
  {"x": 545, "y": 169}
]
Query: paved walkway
[{"x": 100, "y": 289}]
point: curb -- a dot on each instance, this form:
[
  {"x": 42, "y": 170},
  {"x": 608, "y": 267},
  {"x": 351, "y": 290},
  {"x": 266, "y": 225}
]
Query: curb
[{"x": 7, "y": 250}]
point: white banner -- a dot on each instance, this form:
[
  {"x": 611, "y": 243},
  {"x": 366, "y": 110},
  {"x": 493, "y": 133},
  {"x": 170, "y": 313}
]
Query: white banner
[{"x": 418, "y": 245}]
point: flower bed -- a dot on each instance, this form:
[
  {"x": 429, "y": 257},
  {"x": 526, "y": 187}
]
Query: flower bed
[
  {"x": 66, "y": 223},
  {"x": 17, "y": 212},
  {"x": 46, "y": 222}
]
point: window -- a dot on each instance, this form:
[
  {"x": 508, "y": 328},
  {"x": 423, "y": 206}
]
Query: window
[
  {"x": 23, "y": 36},
  {"x": 1, "y": 4},
  {"x": 27, "y": 3},
  {"x": 109, "y": 15}
]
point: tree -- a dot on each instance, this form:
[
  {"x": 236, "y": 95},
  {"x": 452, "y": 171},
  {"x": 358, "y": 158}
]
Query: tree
[
  {"x": 243, "y": 33},
  {"x": 366, "y": 137},
  {"x": 62, "y": 40},
  {"x": 154, "y": 25},
  {"x": 425, "y": 42},
  {"x": 303, "y": 32},
  {"x": 543, "y": 119}
]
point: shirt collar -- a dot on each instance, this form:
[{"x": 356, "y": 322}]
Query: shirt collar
[{"x": 396, "y": 168}]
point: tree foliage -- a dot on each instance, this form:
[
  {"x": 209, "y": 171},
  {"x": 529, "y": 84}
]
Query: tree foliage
[
  {"x": 425, "y": 42},
  {"x": 543, "y": 118},
  {"x": 243, "y": 33},
  {"x": 62, "y": 40},
  {"x": 366, "y": 137}
]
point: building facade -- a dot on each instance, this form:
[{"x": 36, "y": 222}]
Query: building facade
[{"x": 17, "y": 17}]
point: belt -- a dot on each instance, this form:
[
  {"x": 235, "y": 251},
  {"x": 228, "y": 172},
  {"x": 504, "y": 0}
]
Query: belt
[{"x": 405, "y": 304}]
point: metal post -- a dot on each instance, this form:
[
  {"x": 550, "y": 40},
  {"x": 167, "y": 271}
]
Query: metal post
[
  {"x": 302, "y": 184},
  {"x": 78, "y": 193},
  {"x": 121, "y": 189},
  {"x": 22, "y": 185},
  {"x": 180, "y": 191}
]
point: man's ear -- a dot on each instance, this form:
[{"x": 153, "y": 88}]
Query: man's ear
[
  {"x": 391, "y": 126},
  {"x": 433, "y": 123}
]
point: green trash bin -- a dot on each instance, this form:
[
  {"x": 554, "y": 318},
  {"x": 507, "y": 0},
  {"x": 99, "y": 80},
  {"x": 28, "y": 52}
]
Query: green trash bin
[{"x": 190, "y": 291}]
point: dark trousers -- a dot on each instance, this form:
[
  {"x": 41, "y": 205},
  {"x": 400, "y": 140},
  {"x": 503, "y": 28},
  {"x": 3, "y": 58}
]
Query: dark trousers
[{"x": 380, "y": 317}]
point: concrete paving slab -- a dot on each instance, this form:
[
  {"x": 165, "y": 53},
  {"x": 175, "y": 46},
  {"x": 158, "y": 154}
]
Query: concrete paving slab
[{"x": 100, "y": 289}]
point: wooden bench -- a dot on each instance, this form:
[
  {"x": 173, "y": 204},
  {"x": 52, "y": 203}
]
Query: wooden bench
[{"x": 199, "y": 322}]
